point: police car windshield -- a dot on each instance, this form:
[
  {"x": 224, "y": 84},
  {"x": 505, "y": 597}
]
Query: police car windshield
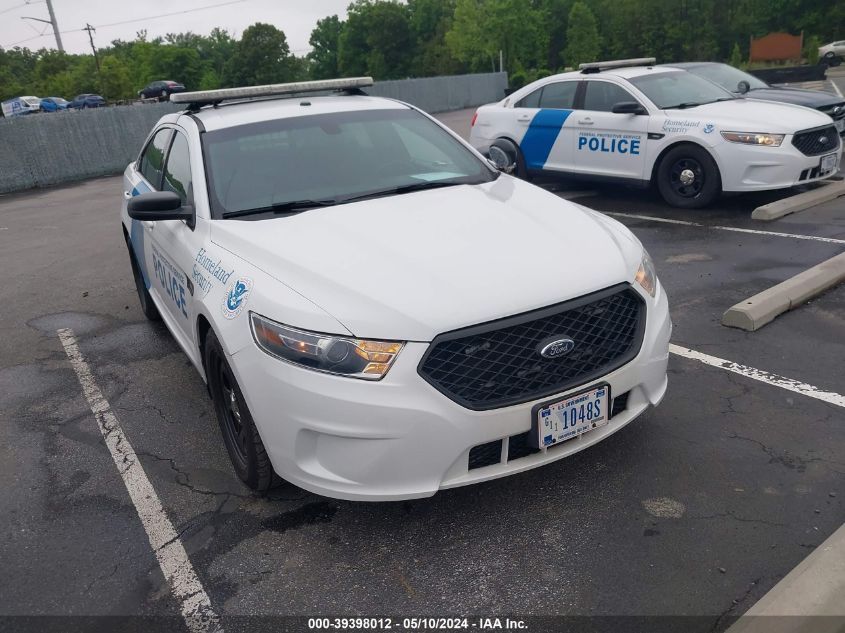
[
  {"x": 679, "y": 89},
  {"x": 727, "y": 76},
  {"x": 279, "y": 166}
]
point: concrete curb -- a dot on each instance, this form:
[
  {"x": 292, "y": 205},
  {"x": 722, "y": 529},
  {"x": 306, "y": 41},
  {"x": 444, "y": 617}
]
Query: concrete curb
[
  {"x": 799, "y": 202},
  {"x": 762, "y": 308},
  {"x": 809, "y": 599}
]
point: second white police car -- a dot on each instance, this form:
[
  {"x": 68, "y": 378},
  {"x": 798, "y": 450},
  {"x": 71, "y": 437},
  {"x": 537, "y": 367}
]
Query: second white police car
[
  {"x": 377, "y": 311},
  {"x": 633, "y": 122}
]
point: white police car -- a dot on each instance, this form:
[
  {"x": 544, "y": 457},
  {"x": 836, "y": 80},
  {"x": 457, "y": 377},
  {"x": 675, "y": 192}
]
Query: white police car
[
  {"x": 631, "y": 122},
  {"x": 378, "y": 313}
]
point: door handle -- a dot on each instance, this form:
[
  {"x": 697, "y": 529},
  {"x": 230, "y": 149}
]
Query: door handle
[
  {"x": 586, "y": 121},
  {"x": 524, "y": 119}
]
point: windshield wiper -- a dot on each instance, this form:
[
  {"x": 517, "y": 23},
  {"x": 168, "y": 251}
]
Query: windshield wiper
[
  {"x": 417, "y": 186},
  {"x": 683, "y": 106},
  {"x": 283, "y": 208}
]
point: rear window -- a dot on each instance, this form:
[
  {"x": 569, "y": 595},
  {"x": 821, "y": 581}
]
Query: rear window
[{"x": 332, "y": 157}]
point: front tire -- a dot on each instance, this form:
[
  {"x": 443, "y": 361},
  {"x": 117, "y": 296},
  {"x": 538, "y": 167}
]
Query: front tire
[
  {"x": 243, "y": 443},
  {"x": 687, "y": 177}
]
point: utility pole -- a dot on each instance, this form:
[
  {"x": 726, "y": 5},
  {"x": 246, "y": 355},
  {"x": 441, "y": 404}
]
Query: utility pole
[
  {"x": 55, "y": 26},
  {"x": 91, "y": 29}
]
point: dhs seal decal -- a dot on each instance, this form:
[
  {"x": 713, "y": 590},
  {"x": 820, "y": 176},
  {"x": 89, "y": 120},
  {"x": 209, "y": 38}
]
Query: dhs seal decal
[{"x": 236, "y": 297}]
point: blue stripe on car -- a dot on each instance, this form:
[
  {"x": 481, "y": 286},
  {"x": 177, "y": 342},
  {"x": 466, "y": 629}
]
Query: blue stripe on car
[
  {"x": 541, "y": 135},
  {"x": 136, "y": 237}
]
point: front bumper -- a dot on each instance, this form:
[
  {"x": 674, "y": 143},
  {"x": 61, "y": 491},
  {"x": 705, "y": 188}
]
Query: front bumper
[
  {"x": 747, "y": 168},
  {"x": 399, "y": 438}
]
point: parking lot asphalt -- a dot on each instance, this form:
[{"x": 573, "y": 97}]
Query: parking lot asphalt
[{"x": 696, "y": 509}]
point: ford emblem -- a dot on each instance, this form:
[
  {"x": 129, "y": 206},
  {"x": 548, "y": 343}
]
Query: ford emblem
[{"x": 556, "y": 347}]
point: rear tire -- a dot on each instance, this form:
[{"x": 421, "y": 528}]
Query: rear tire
[
  {"x": 687, "y": 177},
  {"x": 240, "y": 436},
  {"x": 147, "y": 306}
]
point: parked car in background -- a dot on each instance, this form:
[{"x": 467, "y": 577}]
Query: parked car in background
[
  {"x": 21, "y": 105},
  {"x": 632, "y": 122},
  {"x": 53, "y": 104},
  {"x": 742, "y": 83},
  {"x": 160, "y": 90},
  {"x": 86, "y": 101},
  {"x": 835, "y": 51}
]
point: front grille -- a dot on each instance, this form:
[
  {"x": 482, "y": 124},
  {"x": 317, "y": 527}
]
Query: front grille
[
  {"x": 822, "y": 140},
  {"x": 485, "y": 454},
  {"x": 498, "y": 364}
]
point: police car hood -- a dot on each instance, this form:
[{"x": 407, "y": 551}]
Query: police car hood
[
  {"x": 412, "y": 266},
  {"x": 751, "y": 115}
]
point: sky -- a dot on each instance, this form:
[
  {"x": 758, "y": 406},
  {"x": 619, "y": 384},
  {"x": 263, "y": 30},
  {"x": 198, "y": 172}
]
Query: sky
[{"x": 295, "y": 17}]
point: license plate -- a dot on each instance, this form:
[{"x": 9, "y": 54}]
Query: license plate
[
  {"x": 566, "y": 419},
  {"x": 828, "y": 163},
  {"x": 840, "y": 125}
]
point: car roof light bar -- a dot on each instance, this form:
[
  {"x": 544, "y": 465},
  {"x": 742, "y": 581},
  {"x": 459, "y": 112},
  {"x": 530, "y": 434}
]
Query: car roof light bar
[
  {"x": 196, "y": 100},
  {"x": 595, "y": 67}
]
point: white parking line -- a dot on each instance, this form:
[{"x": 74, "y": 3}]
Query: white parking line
[
  {"x": 186, "y": 587},
  {"x": 814, "y": 238},
  {"x": 763, "y": 376},
  {"x": 836, "y": 88}
]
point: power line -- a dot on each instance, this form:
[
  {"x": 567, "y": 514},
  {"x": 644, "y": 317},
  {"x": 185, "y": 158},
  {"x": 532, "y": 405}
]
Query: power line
[
  {"x": 151, "y": 17},
  {"x": 167, "y": 15},
  {"x": 20, "y": 6}
]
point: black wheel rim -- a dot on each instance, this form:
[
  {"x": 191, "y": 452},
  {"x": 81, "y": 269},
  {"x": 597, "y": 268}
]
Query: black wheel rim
[
  {"x": 230, "y": 408},
  {"x": 686, "y": 177}
]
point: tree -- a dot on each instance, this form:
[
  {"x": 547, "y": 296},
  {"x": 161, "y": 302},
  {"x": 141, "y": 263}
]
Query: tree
[
  {"x": 482, "y": 28},
  {"x": 325, "y": 42},
  {"x": 430, "y": 20},
  {"x": 736, "y": 57},
  {"x": 262, "y": 56},
  {"x": 115, "y": 84},
  {"x": 376, "y": 40},
  {"x": 582, "y": 36}
]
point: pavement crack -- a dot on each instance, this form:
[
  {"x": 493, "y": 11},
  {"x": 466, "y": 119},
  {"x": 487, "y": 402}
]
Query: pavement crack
[
  {"x": 731, "y": 515},
  {"x": 184, "y": 479},
  {"x": 734, "y": 604},
  {"x": 786, "y": 459}
]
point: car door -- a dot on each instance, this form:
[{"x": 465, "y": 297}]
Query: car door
[
  {"x": 544, "y": 113},
  {"x": 163, "y": 277},
  {"x": 606, "y": 143},
  {"x": 175, "y": 243}
]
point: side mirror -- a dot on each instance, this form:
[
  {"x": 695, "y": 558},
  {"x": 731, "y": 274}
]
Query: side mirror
[
  {"x": 743, "y": 87},
  {"x": 159, "y": 205},
  {"x": 628, "y": 107}
]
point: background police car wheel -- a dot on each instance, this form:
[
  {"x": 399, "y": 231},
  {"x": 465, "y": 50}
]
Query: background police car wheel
[
  {"x": 246, "y": 450},
  {"x": 147, "y": 306},
  {"x": 515, "y": 156},
  {"x": 688, "y": 177}
]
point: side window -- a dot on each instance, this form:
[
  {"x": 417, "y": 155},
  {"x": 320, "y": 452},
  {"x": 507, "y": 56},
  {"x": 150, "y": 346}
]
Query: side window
[
  {"x": 560, "y": 95},
  {"x": 177, "y": 174},
  {"x": 530, "y": 101},
  {"x": 152, "y": 161},
  {"x": 601, "y": 96}
]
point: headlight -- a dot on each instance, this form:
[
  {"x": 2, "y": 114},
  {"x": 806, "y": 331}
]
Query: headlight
[
  {"x": 646, "y": 276},
  {"x": 339, "y": 355},
  {"x": 754, "y": 138}
]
